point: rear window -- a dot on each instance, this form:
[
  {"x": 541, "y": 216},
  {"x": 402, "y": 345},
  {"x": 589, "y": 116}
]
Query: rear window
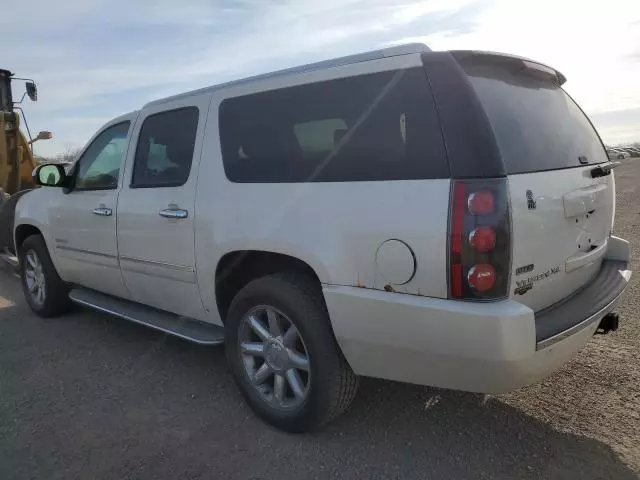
[
  {"x": 537, "y": 125},
  {"x": 381, "y": 126}
]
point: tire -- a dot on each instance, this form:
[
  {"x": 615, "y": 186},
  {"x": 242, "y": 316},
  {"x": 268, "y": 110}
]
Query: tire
[
  {"x": 329, "y": 384},
  {"x": 7, "y": 219},
  {"x": 35, "y": 262}
]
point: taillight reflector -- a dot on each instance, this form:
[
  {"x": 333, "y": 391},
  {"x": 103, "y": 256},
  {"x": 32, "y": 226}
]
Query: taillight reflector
[
  {"x": 482, "y": 277},
  {"x": 457, "y": 226}
]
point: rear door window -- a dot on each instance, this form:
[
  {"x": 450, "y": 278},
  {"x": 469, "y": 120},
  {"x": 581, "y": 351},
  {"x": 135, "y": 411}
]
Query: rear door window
[
  {"x": 381, "y": 126},
  {"x": 537, "y": 124},
  {"x": 165, "y": 149}
]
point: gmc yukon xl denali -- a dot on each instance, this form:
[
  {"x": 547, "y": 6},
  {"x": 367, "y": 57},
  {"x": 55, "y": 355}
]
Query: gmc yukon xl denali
[{"x": 439, "y": 218}]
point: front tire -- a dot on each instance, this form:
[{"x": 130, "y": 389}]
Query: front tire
[
  {"x": 284, "y": 356},
  {"x": 44, "y": 290}
]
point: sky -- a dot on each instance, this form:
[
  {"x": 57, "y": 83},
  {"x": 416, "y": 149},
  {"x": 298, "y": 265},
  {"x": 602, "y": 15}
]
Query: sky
[{"x": 96, "y": 59}]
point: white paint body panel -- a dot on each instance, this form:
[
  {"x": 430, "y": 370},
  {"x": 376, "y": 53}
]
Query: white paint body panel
[
  {"x": 84, "y": 245},
  {"x": 336, "y": 228},
  {"x": 482, "y": 347},
  {"x": 157, "y": 254},
  {"x": 567, "y": 229}
]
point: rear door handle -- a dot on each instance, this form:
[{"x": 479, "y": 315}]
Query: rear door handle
[
  {"x": 174, "y": 213},
  {"x": 103, "y": 211}
]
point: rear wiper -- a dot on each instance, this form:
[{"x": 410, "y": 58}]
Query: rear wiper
[{"x": 603, "y": 170}]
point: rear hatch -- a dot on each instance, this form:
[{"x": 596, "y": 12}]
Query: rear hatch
[{"x": 561, "y": 215}]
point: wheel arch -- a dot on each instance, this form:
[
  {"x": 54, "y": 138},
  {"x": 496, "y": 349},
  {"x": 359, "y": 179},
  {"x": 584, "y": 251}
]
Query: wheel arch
[
  {"x": 237, "y": 268},
  {"x": 23, "y": 231}
]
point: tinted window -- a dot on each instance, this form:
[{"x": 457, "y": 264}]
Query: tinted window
[
  {"x": 165, "y": 149},
  {"x": 537, "y": 125},
  {"x": 99, "y": 166},
  {"x": 381, "y": 126}
]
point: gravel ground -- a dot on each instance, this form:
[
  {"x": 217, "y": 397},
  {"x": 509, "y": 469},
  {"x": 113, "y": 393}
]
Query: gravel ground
[{"x": 88, "y": 396}]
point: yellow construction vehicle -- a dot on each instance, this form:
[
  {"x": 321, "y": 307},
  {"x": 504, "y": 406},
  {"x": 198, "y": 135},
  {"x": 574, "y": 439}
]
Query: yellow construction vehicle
[{"x": 16, "y": 154}]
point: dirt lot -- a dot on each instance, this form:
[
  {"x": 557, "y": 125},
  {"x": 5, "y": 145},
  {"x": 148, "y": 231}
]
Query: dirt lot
[{"x": 87, "y": 396}]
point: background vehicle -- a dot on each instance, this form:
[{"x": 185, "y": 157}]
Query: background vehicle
[
  {"x": 16, "y": 155},
  {"x": 632, "y": 151},
  {"x": 618, "y": 154},
  {"x": 313, "y": 220}
]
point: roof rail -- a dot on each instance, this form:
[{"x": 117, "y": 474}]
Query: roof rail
[
  {"x": 334, "y": 62},
  {"x": 357, "y": 58}
]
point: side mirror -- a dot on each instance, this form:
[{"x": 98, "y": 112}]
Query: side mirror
[
  {"x": 32, "y": 91},
  {"x": 44, "y": 135},
  {"x": 50, "y": 175}
]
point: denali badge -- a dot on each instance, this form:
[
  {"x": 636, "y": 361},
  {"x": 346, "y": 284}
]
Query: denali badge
[
  {"x": 531, "y": 203},
  {"x": 523, "y": 286}
]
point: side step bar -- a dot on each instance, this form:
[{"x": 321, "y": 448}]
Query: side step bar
[{"x": 189, "y": 329}]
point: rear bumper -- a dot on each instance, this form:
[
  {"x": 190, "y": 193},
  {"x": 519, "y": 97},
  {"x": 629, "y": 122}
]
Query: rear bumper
[
  {"x": 482, "y": 347},
  {"x": 586, "y": 306}
]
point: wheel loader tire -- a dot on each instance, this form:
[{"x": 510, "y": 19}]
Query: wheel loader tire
[{"x": 7, "y": 217}]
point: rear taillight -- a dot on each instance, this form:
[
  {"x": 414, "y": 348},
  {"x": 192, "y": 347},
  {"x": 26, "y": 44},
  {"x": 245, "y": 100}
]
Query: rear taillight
[
  {"x": 482, "y": 277},
  {"x": 479, "y": 239},
  {"x": 482, "y": 239},
  {"x": 481, "y": 202}
]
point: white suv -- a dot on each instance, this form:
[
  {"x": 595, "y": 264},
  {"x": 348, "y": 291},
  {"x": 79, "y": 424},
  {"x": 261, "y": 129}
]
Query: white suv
[{"x": 439, "y": 218}]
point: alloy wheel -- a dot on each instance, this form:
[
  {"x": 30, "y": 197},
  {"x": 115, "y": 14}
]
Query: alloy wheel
[{"x": 274, "y": 357}]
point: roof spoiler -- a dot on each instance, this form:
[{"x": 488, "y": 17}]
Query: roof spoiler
[{"x": 526, "y": 63}]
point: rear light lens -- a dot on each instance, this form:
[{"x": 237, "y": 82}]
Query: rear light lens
[
  {"x": 482, "y": 277},
  {"x": 482, "y": 239},
  {"x": 481, "y": 203},
  {"x": 479, "y": 240}
]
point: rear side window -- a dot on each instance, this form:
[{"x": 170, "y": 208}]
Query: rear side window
[
  {"x": 537, "y": 125},
  {"x": 165, "y": 149},
  {"x": 381, "y": 126}
]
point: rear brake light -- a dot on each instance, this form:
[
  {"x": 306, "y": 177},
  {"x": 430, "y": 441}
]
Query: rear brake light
[{"x": 479, "y": 239}]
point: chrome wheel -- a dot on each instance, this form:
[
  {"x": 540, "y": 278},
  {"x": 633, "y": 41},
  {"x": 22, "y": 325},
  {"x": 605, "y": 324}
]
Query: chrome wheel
[
  {"x": 275, "y": 358},
  {"x": 34, "y": 277}
]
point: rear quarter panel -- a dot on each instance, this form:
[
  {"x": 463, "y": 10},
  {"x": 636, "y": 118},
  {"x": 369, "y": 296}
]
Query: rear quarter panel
[{"x": 335, "y": 227}]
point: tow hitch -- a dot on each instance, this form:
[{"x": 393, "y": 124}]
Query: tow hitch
[{"x": 609, "y": 323}]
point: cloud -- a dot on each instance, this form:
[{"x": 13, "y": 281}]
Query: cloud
[
  {"x": 99, "y": 59},
  {"x": 595, "y": 45}
]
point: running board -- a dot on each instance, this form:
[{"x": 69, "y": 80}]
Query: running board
[{"x": 186, "y": 328}]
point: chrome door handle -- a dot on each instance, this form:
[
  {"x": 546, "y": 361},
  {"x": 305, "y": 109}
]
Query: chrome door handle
[
  {"x": 104, "y": 211},
  {"x": 173, "y": 213}
]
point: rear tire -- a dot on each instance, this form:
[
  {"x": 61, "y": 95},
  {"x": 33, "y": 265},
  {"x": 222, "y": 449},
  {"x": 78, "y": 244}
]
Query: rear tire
[
  {"x": 44, "y": 290},
  {"x": 311, "y": 396}
]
